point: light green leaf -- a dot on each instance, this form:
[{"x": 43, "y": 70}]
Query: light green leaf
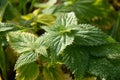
[
  {"x": 76, "y": 59},
  {"x": 45, "y": 5},
  {"x": 25, "y": 59},
  {"x": 61, "y": 33},
  {"x": 59, "y": 42},
  {"x": 6, "y": 27},
  {"x": 46, "y": 19},
  {"x": 22, "y": 42},
  {"x": 89, "y": 35},
  {"x": 42, "y": 50},
  {"x": 43, "y": 40},
  {"x": 64, "y": 23},
  {"x": 27, "y": 72},
  {"x": 66, "y": 20}
]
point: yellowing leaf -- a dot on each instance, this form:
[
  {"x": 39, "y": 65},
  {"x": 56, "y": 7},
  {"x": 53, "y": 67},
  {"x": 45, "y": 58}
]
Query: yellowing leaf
[
  {"x": 28, "y": 16},
  {"x": 46, "y": 19},
  {"x": 35, "y": 12}
]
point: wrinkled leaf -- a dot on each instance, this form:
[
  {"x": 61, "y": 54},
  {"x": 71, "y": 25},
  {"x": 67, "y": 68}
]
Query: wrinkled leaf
[
  {"x": 26, "y": 58},
  {"x": 90, "y": 35},
  {"x": 76, "y": 59},
  {"x": 21, "y": 41}
]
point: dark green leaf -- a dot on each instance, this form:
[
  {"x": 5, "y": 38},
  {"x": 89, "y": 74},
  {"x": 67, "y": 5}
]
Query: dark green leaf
[
  {"x": 100, "y": 67},
  {"x": 3, "y": 5},
  {"x": 86, "y": 8},
  {"x": 89, "y": 35},
  {"x": 111, "y": 51},
  {"x": 3, "y": 64},
  {"x": 76, "y": 59}
]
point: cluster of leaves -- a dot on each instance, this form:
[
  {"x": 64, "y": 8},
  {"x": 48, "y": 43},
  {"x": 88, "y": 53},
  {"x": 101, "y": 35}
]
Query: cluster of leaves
[{"x": 83, "y": 48}]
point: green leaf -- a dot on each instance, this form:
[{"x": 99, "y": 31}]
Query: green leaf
[
  {"x": 25, "y": 59},
  {"x": 59, "y": 42},
  {"x": 3, "y": 63},
  {"x": 11, "y": 12},
  {"x": 61, "y": 33},
  {"x": 27, "y": 72},
  {"x": 45, "y": 5},
  {"x": 111, "y": 51},
  {"x": 46, "y": 19},
  {"x": 89, "y": 35},
  {"x": 86, "y": 8},
  {"x": 6, "y": 27},
  {"x": 3, "y": 5},
  {"x": 64, "y": 23},
  {"x": 52, "y": 72},
  {"x": 43, "y": 40},
  {"x": 100, "y": 67},
  {"x": 76, "y": 59},
  {"x": 42, "y": 50},
  {"x": 22, "y": 42},
  {"x": 66, "y": 20}
]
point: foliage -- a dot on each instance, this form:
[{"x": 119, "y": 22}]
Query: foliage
[{"x": 65, "y": 33}]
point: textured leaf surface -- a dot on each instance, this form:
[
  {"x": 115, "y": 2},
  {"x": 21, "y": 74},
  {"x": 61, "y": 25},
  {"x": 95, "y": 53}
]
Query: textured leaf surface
[
  {"x": 21, "y": 41},
  {"x": 61, "y": 34},
  {"x": 6, "y": 27},
  {"x": 66, "y": 20},
  {"x": 64, "y": 23},
  {"x": 111, "y": 51},
  {"x": 27, "y": 72},
  {"x": 90, "y": 35},
  {"x": 100, "y": 67},
  {"x": 76, "y": 59},
  {"x": 25, "y": 59},
  {"x": 59, "y": 42},
  {"x": 86, "y": 8}
]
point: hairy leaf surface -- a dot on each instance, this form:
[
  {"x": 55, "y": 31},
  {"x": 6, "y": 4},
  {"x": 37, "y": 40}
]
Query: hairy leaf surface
[
  {"x": 76, "y": 59},
  {"x": 6, "y": 27},
  {"x": 66, "y": 20},
  {"x": 25, "y": 59},
  {"x": 21, "y": 41},
  {"x": 111, "y": 51},
  {"x": 59, "y": 42},
  {"x": 61, "y": 34},
  {"x": 89, "y": 35},
  {"x": 100, "y": 67}
]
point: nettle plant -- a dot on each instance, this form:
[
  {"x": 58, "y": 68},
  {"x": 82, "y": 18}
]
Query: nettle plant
[{"x": 82, "y": 48}]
